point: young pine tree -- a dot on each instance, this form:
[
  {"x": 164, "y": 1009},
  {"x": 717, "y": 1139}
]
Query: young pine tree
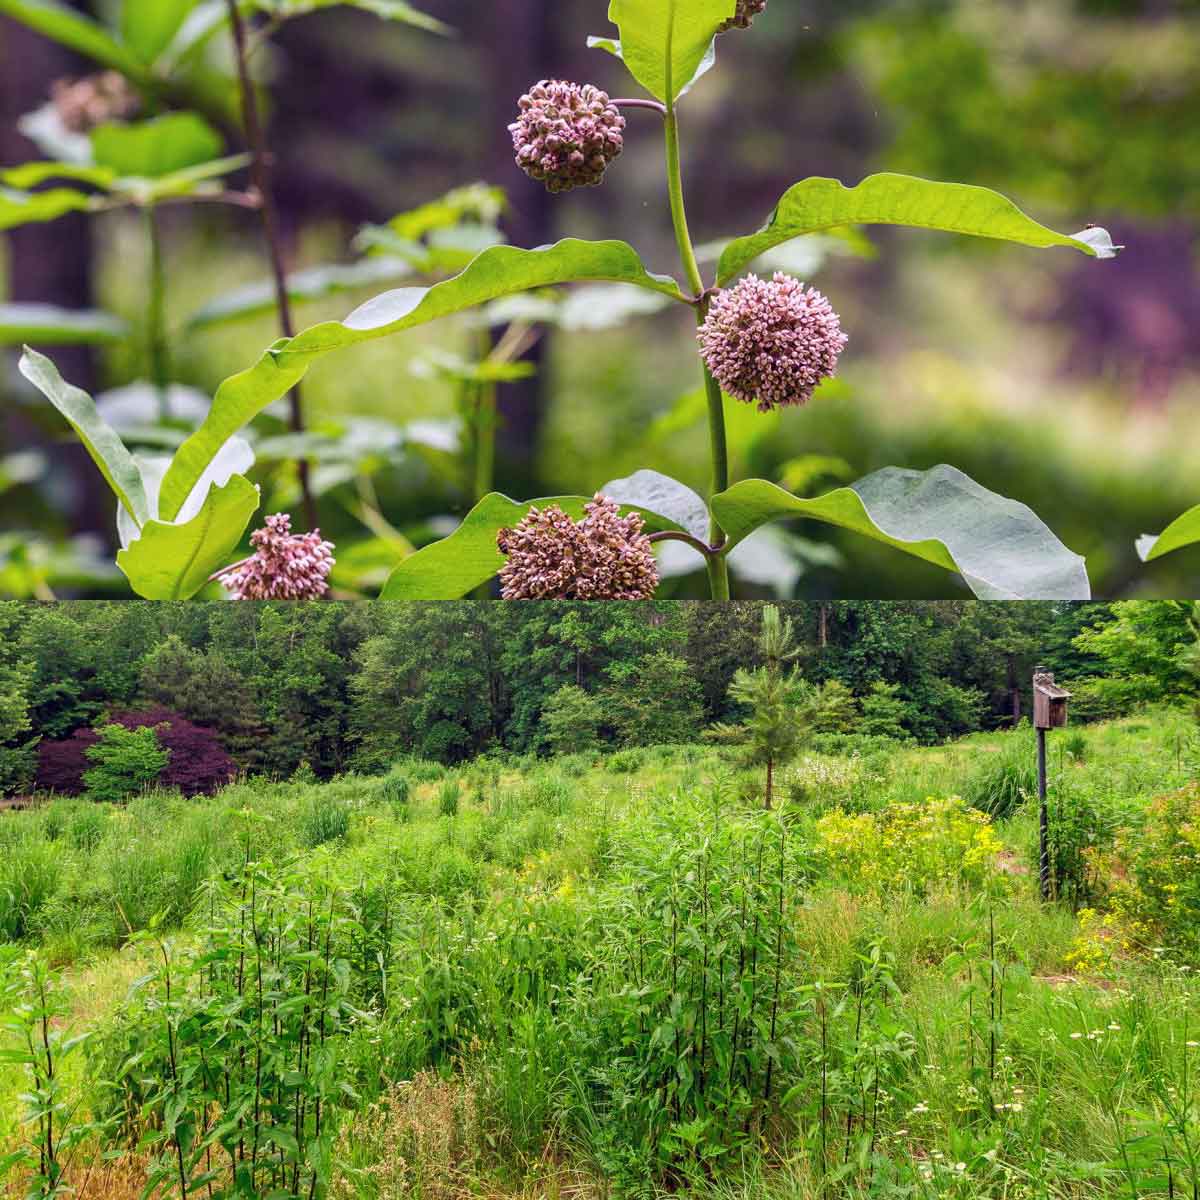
[{"x": 776, "y": 697}]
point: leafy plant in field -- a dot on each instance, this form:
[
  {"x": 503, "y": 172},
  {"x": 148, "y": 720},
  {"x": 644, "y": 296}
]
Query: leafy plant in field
[
  {"x": 126, "y": 762},
  {"x": 769, "y": 342}
]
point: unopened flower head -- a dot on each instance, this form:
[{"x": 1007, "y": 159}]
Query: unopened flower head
[
  {"x": 747, "y": 10},
  {"x": 603, "y": 557},
  {"x": 566, "y": 135},
  {"x": 771, "y": 341},
  {"x": 83, "y": 104},
  {"x": 284, "y": 565}
]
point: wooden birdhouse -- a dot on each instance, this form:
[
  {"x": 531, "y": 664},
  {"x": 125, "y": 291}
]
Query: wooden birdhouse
[{"x": 1049, "y": 702}]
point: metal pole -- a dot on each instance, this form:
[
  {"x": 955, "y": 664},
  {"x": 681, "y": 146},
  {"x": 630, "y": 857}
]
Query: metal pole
[{"x": 1044, "y": 861}]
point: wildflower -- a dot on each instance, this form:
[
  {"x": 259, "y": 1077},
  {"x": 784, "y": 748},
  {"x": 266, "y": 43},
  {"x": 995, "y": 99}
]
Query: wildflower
[
  {"x": 83, "y": 104},
  {"x": 566, "y": 135},
  {"x": 747, "y": 10},
  {"x": 284, "y": 565},
  {"x": 771, "y": 341},
  {"x": 603, "y": 557},
  {"x": 1076, "y": 1036}
]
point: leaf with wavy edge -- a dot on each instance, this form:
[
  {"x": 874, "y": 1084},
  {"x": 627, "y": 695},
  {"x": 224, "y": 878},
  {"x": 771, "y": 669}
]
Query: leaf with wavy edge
[
  {"x": 53, "y": 326},
  {"x": 28, "y": 208},
  {"x": 499, "y": 271},
  {"x": 72, "y": 29},
  {"x": 99, "y": 439},
  {"x": 815, "y": 205},
  {"x": 999, "y": 546},
  {"x": 455, "y": 566},
  {"x": 174, "y": 562},
  {"x": 1182, "y": 532}
]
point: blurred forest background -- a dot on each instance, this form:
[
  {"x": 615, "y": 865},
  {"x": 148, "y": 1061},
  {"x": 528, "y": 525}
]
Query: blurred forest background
[{"x": 1067, "y": 386}]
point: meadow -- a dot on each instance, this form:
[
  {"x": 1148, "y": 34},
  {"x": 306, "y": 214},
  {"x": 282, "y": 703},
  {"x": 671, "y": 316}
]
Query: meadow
[{"x": 618, "y": 974}]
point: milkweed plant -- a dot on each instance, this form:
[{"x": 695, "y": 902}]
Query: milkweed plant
[{"x": 764, "y": 339}]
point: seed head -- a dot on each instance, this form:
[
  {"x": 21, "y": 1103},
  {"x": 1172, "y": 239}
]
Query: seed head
[
  {"x": 83, "y": 104},
  {"x": 603, "y": 557},
  {"x": 566, "y": 135},
  {"x": 747, "y": 10},
  {"x": 284, "y": 565},
  {"x": 771, "y": 341}
]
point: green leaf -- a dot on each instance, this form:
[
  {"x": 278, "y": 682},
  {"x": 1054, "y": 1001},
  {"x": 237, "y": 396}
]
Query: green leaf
[
  {"x": 455, "y": 566},
  {"x": 158, "y": 147},
  {"x": 106, "y": 448},
  {"x": 51, "y": 326},
  {"x": 999, "y": 546},
  {"x": 664, "y": 43},
  {"x": 652, "y": 491},
  {"x": 314, "y": 283},
  {"x": 817, "y": 205},
  {"x": 34, "y": 174},
  {"x": 500, "y": 271},
  {"x": 72, "y": 29},
  {"x": 174, "y": 562},
  {"x": 27, "y": 208},
  {"x": 1183, "y": 531},
  {"x": 148, "y": 26},
  {"x": 389, "y": 10},
  {"x": 613, "y": 47}
]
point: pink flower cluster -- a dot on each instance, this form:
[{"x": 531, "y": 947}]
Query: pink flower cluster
[
  {"x": 771, "y": 341},
  {"x": 83, "y": 104},
  {"x": 565, "y": 135},
  {"x": 747, "y": 10},
  {"x": 603, "y": 557},
  {"x": 284, "y": 565}
]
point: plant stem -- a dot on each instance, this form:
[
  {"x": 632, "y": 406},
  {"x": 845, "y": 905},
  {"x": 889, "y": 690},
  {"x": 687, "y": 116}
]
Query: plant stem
[
  {"x": 718, "y": 568},
  {"x": 156, "y": 316},
  {"x": 260, "y": 172}
]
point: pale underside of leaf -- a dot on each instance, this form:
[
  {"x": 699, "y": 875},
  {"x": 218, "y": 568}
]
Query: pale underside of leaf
[
  {"x": 499, "y": 271},
  {"x": 1182, "y": 532},
  {"x": 52, "y": 326},
  {"x": 999, "y": 546},
  {"x": 816, "y": 205}
]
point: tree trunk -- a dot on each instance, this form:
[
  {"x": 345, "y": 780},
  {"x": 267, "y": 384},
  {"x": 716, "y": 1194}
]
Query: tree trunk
[
  {"x": 1014, "y": 691},
  {"x": 822, "y": 625},
  {"x": 524, "y": 36}
]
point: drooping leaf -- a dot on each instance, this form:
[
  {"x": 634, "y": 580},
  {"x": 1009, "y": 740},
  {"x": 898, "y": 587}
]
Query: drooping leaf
[
  {"x": 817, "y": 205},
  {"x": 1183, "y": 531},
  {"x": 313, "y": 283},
  {"x": 664, "y": 43},
  {"x": 999, "y": 546},
  {"x": 101, "y": 442},
  {"x": 388, "y": 10},
  {"x": 174, "y": 562},
  {"x": 655, "y": 492},
  {"x": 158, "y": 147},
  {"x": 28, "y": 208},
  {"x": 148, "y": 26},
  {"x": 455, "y": 566},
  {"x": 34, "y": 174},
  {"x": 500, "y": 271},
  {"x": 49, "y": 325},
  {"x": 70, "y": 28}
]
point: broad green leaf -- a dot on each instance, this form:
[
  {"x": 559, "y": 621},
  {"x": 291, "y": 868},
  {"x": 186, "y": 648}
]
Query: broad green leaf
[
  {"x": 101, "y": 442},
  {"x": 28, "y": 208},
  {"x": 389, "y": 10},
  {"x": 1000, "y": 547},
  {"x": 664, "y": 43},
  {"x": 148, "y": 26},
  {"x": 455, "y": 566},
  {"x": 51, "y": 326},
  {"x": 69, "y": 28},
  {"x": 157, "y": 147},
  {"x": 658, "y": 493},
  {"x": 174, "y": 562},
  {"x": 817, "y": 205},
  {"x": 190, "y": 181},
  {"x": 314, "y": 283},
  {"x": 613, "y": 47},
  {"x": 1183, "y": 531},
  {"x": 500, "y": 271},
  {"x": 34, "y": 174}
]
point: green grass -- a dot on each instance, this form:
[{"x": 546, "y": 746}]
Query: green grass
[{"x": 535, "y": 941}]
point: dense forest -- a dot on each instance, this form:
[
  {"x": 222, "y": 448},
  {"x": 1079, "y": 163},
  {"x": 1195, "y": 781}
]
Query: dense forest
[{"x": 342, "y": 687}]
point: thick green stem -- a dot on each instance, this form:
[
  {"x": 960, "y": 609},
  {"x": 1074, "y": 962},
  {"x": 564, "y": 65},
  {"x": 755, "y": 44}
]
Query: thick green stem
[
  {"x": 718, "y": 568},
  {"x": 156, "y": 317}
]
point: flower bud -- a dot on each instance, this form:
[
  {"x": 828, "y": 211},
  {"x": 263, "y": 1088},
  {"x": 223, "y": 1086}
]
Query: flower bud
[
  {"x": 771, "y": 341},
  {"x": 566, "y": 135},
  {"x": 603, "y": 557},
  {"x": 747, "y": 10},
  {"x": 284, "y": 565}
]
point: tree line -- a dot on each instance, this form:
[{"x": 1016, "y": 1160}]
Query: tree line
[{"x": 352, "y": 687}]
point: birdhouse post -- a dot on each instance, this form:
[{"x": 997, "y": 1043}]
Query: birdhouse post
[{"x": 1049, "y": 712}]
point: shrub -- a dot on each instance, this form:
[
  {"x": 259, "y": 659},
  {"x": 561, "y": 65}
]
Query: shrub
[
  {"x": 325, "y": 818},
  {"x": 127, "y": 761},
  {"x": 395, "y": 791},
  {"x": 624, "y": 762},
  {"x": 1001, "y": 780},
  {"x": 448, "y": 797},
  {"x": 571, "y": 720},
  {"x": 917, "y": 847},
  {"x": 61, "y": 764}
]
